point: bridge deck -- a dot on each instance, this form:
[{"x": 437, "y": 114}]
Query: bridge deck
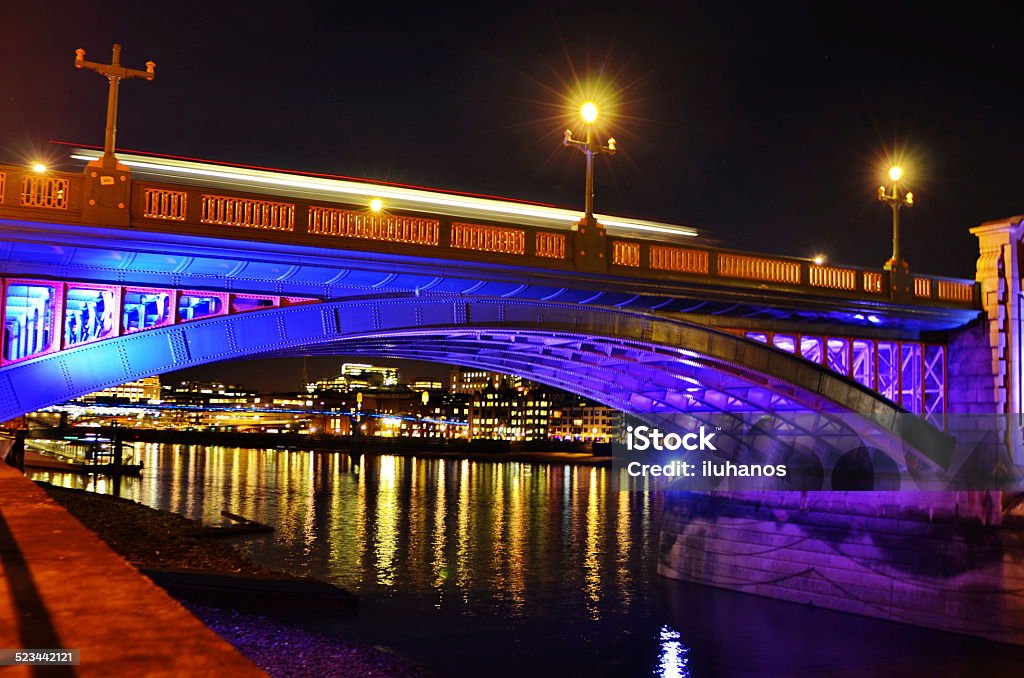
[
  {"x": 63, "y": 587},
  {"x": 265, "y": 209}
]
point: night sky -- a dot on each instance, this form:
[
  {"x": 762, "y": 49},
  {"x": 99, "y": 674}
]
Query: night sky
[{"x": 767, "y": 123}]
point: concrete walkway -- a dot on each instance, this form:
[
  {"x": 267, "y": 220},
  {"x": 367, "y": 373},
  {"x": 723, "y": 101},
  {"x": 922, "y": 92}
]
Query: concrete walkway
[{"x": 62, "y": 587}]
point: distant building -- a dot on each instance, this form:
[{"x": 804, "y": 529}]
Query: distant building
[
  {"x": 139, "y": 391},
  {"x": 503, "y": 413},
  {"x": 207, "y": 393},
  {"x": 371, "y": 375},
  {"x": 531, "y": 420},
  {"x": 471, "y": 380},
  {"x": 426, "y": 385},
  {"x": 358, "y": 376},
  {"x": 580, "y": 419}
]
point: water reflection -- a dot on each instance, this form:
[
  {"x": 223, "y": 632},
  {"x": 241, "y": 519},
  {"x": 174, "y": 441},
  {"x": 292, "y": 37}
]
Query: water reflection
[
  {"x": 673, "y": 656},
  {"x": 519, "y": 568},
  {"x": 385, "y": 542},
  {"x": 469, "y": 534}
]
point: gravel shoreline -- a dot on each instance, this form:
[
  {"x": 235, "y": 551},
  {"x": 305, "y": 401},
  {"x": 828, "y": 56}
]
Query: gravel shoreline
[{"x": 148, "y": 538}]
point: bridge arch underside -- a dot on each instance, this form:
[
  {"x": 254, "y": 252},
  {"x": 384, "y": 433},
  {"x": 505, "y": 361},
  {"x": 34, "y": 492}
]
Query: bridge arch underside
[{"x": 766, "y": 406}]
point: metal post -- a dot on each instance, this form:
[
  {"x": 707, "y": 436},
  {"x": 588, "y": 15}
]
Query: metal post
[
  {"x": 589, "y": 201},
  {"x": 111, "y": 131},
  {"x": 895, "y": 232},
  {"x": 114, "y": 73}
]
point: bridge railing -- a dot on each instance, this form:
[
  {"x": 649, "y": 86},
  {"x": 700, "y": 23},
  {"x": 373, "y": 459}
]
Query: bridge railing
[
  {"x": 733, "y": 267},
  {"x": 201, "y": 210},
  {"x": 28, "y": 194}
]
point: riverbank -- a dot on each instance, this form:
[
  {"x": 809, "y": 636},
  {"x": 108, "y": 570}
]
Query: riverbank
[
  {"x": 496, "y": 451},
  {"x": 148, "y": 538}
]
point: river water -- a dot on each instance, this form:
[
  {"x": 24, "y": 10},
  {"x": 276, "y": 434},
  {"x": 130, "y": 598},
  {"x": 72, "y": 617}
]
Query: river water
[{"x": 475, "y": 568}]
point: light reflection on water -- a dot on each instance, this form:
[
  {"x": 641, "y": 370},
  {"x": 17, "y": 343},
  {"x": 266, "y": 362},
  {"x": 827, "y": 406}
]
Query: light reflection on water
[
  {"x": 519, "y": 568},
  {"x": 512, "y": 556},
  {"x": 474, "y": 535}
]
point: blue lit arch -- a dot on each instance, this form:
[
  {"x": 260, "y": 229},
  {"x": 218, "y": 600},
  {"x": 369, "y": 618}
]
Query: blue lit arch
[{"x": 666, "y": 371}]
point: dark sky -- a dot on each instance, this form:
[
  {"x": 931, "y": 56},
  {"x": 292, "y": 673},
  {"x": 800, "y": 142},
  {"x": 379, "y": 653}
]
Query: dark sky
[{"x": 768, "y": 123}]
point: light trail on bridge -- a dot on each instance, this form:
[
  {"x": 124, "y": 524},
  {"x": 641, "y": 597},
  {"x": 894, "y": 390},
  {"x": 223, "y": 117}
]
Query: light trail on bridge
[{"x": 397, "y": 197}]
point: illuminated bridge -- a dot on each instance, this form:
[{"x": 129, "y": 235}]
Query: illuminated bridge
[{"x": 111, "y": 275}]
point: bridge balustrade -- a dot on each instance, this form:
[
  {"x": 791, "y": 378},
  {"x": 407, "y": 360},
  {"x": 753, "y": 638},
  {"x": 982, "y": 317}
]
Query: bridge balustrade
[
  {"x": 161, "y": 206},
  {"x": 352, "y": 224},
  {"x": 44, "y": 191},
  {"x": 164, "y": 204}
]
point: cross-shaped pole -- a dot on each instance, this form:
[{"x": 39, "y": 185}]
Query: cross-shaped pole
[{"x": 114, "y": 72}]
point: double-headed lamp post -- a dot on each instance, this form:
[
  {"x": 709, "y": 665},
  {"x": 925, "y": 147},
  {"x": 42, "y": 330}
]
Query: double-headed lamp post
[
  {"x": 589, "y": 148},
  {"x": 114, "y": 72},
  {"x": 896, "y": 198}
]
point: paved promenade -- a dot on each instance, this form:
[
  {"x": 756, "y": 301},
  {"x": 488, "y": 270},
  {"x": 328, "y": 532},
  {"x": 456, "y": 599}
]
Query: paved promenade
[{"x": 62, "y": 587}]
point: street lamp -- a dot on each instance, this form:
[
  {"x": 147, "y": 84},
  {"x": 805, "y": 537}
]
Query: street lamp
[
  {"x": 589, "y": 148},
  {"x": 896, "y": 198}
]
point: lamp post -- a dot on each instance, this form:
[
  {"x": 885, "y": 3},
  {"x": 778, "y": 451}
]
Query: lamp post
[
  {"x": 114, "y": 72},
  {"x": 589, "y": 148},
  {"x": 895, "y": 198}
]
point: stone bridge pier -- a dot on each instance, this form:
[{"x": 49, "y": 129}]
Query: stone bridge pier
[
  {"x": 985, "y": 372},
  {"x": 950, "y": 560}
]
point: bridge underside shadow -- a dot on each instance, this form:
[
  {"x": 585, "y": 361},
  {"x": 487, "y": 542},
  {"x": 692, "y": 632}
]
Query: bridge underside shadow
[{"x": 672, "y": 374}]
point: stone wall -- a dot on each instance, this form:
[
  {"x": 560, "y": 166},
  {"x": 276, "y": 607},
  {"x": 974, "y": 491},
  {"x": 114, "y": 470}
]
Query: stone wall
[{"x": 907, "y": 557}]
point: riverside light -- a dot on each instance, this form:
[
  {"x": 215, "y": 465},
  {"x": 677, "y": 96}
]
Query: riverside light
[
  {"x": 895, "y": 173},
  {"x": 376, "y": 205},
  {"x": 39, "y": 168}
]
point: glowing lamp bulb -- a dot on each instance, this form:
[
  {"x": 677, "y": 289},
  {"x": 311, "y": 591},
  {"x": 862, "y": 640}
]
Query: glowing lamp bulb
[
  {"x": 910, "y": 199},
  {"x": 895, "y": 173},
  {"x": 39, "y": 168},
  {"x": 819, "y": 259},
  {"x": 589, "y": 112},
  {"x": 376, "y": 205}
]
